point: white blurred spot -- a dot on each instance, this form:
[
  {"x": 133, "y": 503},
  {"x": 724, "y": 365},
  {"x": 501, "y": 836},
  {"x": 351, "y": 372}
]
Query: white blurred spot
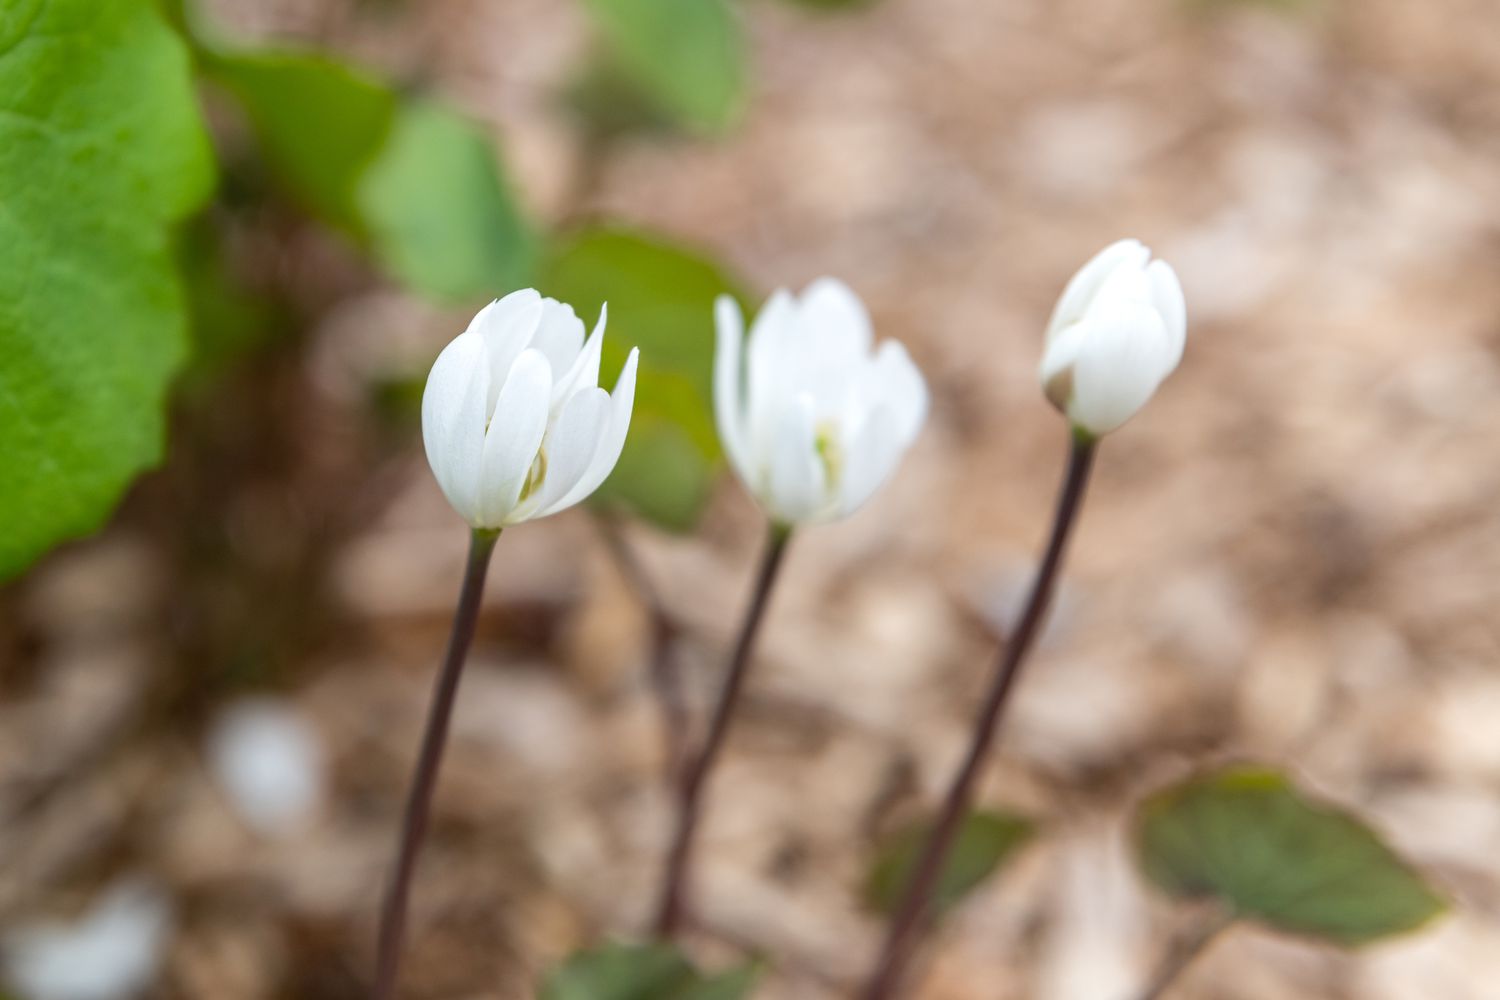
[
  {"x": 270, "y": 763},
  {"x": 111, "y": 953}
]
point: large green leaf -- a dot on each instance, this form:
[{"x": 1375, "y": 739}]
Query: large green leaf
[
  {"x": 985, "y": 841},
  {"x": 1247, "y": 838},
  {"x": 416, "y": 183},
  {"x": 686, "y": 55},
  {"x": 642, "y": 972},
  {"x": 660, "y": 299},
  {"x": 101, "y": 152}
]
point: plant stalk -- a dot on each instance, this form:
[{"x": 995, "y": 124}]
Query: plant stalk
[
  {"x": 694, "y": 775},
  {"x": 911, "y": 913},
  {"x": 424, "y": 777}
]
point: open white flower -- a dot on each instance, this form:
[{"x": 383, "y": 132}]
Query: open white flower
[
  {"x": 515, "y": 424},
  {"x": 1116, "y": 333},
  {"x": 812, "y": 417}
]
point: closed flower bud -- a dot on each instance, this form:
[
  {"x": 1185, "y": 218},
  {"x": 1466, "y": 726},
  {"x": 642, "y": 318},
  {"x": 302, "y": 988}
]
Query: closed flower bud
[
  {"x": 812, "y": 416},
  {"x": 515, "y": 423},
  {"x": 1116, "y": 333}
]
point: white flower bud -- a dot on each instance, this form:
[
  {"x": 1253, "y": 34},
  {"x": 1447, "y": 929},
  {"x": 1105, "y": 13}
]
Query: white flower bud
[
  {"x": 515, "y": 424},
  {"x": 812, "y": 417},
  {"x": 1116, "y": 333}
]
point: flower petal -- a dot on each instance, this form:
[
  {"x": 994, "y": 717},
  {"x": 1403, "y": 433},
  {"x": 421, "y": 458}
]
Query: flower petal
[
  {"x": 507, "y": 326},
  {"x": 898, "y": 385},
  {"x": 514, "y": 436},
  {"x": 1058, "y": 357},
  {"x": 1166, "y": 293},
  {"x": 584, "y": 372},
  {"x": 1083, "y": 286},
  {"x": 453, "y": 414},
  {"x": 559, "y": 336},
  {"x": 772, "y": 338},
  {"x": 612, "y": 442},
  {"x": 729, "y": 389},
  {"x": 871, "y": 457},
  {"x": 568, "y": 450},
  {"x": 797, "y": 490},
  {"x": 1122, "y": 359},
  {"x": 836, "y": 319}
]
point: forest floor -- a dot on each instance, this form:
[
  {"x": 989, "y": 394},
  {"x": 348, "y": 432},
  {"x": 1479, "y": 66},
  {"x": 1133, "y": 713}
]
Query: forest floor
[{"x": 1291, "y": 556}]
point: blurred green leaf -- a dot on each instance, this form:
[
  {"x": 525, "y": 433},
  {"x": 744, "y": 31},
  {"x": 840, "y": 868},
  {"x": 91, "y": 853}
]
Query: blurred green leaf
[
  {"x": 440, "y": 210},
  {"x": 416, "y": 183},
  {"x": 661, "y": 476},
  {"x": 320, "y": 123},
  {"x": 102, "y": 151},
  {"x": 986, "y": 841},
  {"x": 642, "y": 972},
  {"x": 660, "y": 299},
  {"x": 1245, "y": 837},
  {"x": 687, "y": 55}
]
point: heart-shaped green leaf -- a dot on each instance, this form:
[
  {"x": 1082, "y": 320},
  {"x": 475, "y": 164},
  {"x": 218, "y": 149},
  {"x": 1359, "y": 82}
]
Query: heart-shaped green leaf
[
  {"x": 642, "y": 972},
  {"x": 1247, "y": 838},
  {"x": 102, "y": 151},
  {"x": 985, "y": 841}
]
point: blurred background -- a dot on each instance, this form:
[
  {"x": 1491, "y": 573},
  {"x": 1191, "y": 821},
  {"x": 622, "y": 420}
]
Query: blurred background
[{"x": 209, "y": 709}]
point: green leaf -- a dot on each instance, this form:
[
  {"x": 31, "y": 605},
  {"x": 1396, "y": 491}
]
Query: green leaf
[
  {"x": 660, "y": 299},
  {"x": 686, "y": 55},
  {"x": 661, "y": 476},
  {"x": 101, "y": 152},
  {"x": 414, "y": 182},
  {"x": 1245, "y": 837},
  {"x": 642, "y": 972},
  {"x": 985, "y": 841},
  {"x": 440, "y": 211},
  {"x": 319, "y": 122}
]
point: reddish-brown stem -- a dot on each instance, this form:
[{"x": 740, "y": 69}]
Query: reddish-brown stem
[
  {"x": 673, "y": 906},
  {"x": 910, "y": 916},
  {"x": 424, "y": 777}
]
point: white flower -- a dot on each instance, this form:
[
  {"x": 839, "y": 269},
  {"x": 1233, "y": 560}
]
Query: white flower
[
  {"x": 111, "y": 952},
  {"x": 813, "y": 420},
  {"x": 1116, "y": 333},
  {"x": 515, "y": 424}
]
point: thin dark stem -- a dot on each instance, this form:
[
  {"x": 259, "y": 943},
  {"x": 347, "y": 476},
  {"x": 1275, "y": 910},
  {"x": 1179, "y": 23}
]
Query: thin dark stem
[
  {"x": 1183, "y": 952},
  {"x": 424, "y": 777},
  {"x": 673, "y": 906},
  {"x": 911, "y": 914},
  {"x": 666, "y": 677}
]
